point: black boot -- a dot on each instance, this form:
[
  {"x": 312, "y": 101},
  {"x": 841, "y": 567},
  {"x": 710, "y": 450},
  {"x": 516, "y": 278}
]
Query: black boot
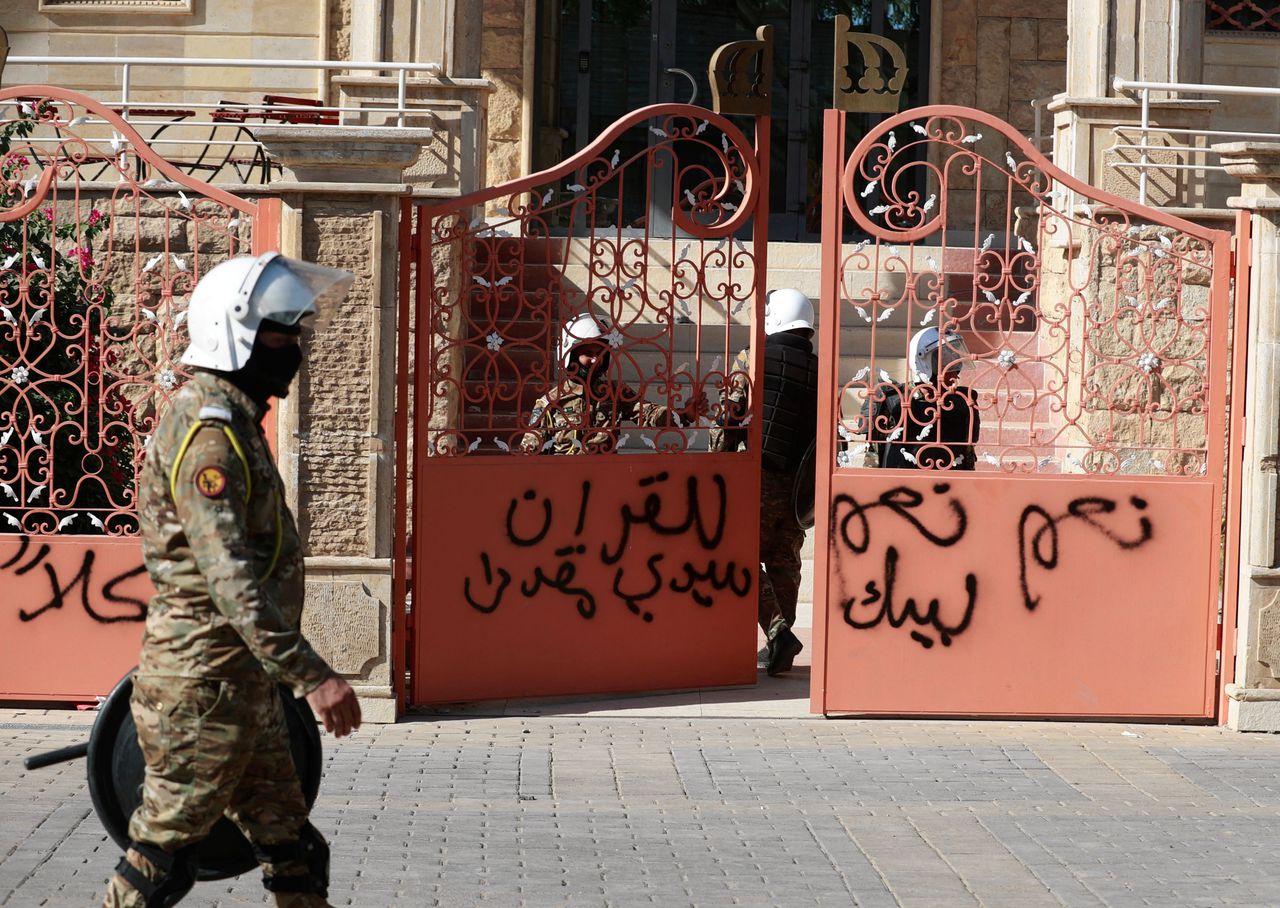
[{"x": 783, "y": 649}]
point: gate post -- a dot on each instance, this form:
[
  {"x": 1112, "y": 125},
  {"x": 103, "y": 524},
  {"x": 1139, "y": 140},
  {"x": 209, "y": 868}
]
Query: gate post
[
  {"x": 341, "y": 207},
  {"x": 1253, "y": 687}
]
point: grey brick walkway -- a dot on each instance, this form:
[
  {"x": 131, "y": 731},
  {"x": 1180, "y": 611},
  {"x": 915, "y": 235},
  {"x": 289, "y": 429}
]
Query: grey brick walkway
[{"x": 635, "y": 803}]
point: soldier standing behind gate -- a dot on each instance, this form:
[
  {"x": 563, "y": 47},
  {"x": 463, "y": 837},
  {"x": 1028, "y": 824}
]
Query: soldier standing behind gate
[
  {"x": 790, "y": 419},
  {"x": 581, "y": 413},
  {"x": 934, "y": 423},
  {"x": 223, "y": 628}
]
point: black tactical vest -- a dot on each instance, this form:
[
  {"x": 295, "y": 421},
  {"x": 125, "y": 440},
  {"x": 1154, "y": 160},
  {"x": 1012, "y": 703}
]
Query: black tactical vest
[{"x": 790, "y": 401}]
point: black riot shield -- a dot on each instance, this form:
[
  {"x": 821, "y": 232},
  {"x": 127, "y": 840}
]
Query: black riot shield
[
  {"x": 803, "y": 492},
  {"x": 116, "y": 769}
]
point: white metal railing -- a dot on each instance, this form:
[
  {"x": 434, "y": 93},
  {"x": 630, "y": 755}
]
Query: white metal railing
[
  {"x": 200, "y": 126},
  {"x": 128, "y": 65},
  {"x": 1143, "y": 128},
  {"x": 1038, "y": 137}
]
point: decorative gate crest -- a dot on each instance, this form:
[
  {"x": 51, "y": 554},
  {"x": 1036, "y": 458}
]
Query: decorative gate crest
[{"x": 870, "y": 81}]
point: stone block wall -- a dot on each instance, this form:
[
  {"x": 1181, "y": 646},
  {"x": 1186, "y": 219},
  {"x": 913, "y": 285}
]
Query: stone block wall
[
  {"x": 998, "y": 56},
  {"x": 502, "y": 62}
]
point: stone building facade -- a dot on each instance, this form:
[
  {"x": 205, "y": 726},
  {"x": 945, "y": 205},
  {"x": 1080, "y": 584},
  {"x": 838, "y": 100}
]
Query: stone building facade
[{"x": 491, "y": 111}]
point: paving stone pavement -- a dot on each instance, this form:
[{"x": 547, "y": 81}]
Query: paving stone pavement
[{"x": 638, "y": 802}]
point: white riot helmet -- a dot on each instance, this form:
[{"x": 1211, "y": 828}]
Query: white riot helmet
[
  {"x": 578, "y": 330},
  {"x": 232, "y": 300},
  {"x": 787, "y": 309},
  {"x": 933, "y": 350}
]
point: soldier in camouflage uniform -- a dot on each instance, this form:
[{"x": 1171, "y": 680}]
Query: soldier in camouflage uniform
[
  {"x": 564, "y": 419},
  {"x": 222, "y": 631},
  {"x": 790, "y": 385}
]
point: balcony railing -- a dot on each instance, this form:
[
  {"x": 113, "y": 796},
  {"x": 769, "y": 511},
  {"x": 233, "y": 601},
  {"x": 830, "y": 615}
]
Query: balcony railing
[
  {"x": 1137, "y": 137},
  {"x": 215, "y": 139}
]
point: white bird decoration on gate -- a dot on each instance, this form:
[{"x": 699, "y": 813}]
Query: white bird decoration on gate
[
  {"x": 8, "y": 316},
  {"x": 95, "y": 521},
  {"x": 183, "y": 201},
  {"x": 986, "y": 244},
  {"x": 35, "y": 493},
  {"x": 152, "y": 263},
  {"x": 1010, "y": 160},
  {"x": 178, "y": 262},
  {"x": 871, "y": 187},
  {"x": 920, "y": 129},
  {"x": 66, "y": 521},
  {"x": 8, "y": 263}
]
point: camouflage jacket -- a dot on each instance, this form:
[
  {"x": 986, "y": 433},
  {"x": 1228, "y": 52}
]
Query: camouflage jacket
[
  {"x": 729, "y": 435},
  {"x": 561, "y": 424},
  {"x": 221, "y": 546}
]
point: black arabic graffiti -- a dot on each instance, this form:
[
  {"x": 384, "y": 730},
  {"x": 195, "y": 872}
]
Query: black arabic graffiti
[
  {"x": 879, "y": 603},
  {"x": 1038, "y": 545},
  {"x": 136, "y": 609},
  {"x": 1043, "y": 543},
  {"x": 702, "y": 518}
]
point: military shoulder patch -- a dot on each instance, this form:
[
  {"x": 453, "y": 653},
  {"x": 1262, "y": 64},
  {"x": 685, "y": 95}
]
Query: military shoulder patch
[{"x": 211, "y": 482}]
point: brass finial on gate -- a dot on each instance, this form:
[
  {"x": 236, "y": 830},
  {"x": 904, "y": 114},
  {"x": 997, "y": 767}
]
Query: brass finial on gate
[
  {"x": 741, "y": 75},
  {"x": 872, "y": 80}
]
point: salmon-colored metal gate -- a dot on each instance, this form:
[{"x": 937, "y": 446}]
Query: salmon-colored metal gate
[
  {"x": 618, "y": 554},
  {"x": 1076, "y": 570},
  {"x": 97, "y": 264}
]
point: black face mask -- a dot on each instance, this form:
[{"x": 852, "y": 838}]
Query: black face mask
[{"x": 268, "y": 371}]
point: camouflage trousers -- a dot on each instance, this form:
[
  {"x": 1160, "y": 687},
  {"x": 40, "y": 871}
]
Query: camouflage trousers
[
  {"x": 781, "y": 539},
  {"x": 213, "y": 748}
]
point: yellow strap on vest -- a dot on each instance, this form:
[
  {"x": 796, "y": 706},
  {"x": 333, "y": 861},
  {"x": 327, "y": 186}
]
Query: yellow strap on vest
[{"x": 248, "y": 480}]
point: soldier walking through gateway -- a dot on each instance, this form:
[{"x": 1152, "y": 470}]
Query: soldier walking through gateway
[
  {"x": 223, "y": 628},
  {"x": 790, "y": 420}
]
